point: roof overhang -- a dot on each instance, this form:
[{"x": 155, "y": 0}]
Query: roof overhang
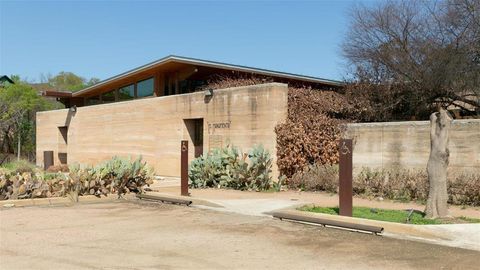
[
  {"x": 212, "y": 64},
  {"x": 58, "y": 94}
]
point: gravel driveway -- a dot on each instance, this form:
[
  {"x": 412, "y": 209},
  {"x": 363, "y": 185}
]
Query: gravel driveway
[{"x": 140, "y": 235}]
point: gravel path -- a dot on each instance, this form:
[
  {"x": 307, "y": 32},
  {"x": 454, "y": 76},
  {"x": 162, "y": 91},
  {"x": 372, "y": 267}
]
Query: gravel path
[
  {"x": 139, "y": 235},
  {"x": 319, "y": 198}
]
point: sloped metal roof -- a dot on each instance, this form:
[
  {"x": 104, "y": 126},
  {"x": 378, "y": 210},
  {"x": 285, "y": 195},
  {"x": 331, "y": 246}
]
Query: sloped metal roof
[{"x": 213, "y": 64}]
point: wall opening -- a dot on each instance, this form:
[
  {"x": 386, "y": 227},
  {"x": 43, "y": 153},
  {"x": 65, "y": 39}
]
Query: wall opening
[
  {"x": 47, "y": 159},
  {"x": 195, "y": 131},
  {"x": 62, "y": 144}
]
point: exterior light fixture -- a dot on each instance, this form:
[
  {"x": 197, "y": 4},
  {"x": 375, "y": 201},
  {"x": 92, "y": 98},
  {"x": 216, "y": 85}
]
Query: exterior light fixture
[{"x": 209, "y": 93}]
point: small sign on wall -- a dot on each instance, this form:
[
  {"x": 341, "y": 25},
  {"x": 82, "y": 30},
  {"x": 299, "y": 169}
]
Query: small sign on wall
[{"x": 218, "y": 125}]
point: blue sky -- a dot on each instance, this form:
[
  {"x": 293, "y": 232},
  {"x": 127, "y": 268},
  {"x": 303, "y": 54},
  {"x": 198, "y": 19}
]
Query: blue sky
[{"x": 104, "y": 38}]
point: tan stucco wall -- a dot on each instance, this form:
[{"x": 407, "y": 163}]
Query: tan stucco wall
[
  {"x": 153, "y": 127},
  {"x": 407, "y": 145}
]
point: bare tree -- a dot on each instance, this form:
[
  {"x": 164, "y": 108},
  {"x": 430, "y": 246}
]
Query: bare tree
[
  {"x": 422, "y": 52},
  {"x": 410, "y": 57},
  {"x": 437, "y": 165}
]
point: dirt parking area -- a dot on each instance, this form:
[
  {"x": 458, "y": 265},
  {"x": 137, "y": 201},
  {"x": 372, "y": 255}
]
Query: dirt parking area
[
  {"x": 318, "y": 198},
  {"x": 140, "y": 235}
]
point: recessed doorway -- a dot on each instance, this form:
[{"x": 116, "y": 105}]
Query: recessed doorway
[
  {"x": 62, "y": 144},
  {"x": 195, "y": 131}
]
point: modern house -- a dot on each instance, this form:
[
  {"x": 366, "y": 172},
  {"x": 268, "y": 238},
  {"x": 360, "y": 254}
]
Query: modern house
[
  {"x": 5, "y": 80},
  {"x": 148, "y": 110}
]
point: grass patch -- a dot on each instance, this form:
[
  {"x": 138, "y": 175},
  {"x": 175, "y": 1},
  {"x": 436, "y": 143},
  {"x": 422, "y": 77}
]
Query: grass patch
[
  {"x": 19, "y": 166},
  {"x": 398, "y": 216},
  {"x": 469, "y": 219}
]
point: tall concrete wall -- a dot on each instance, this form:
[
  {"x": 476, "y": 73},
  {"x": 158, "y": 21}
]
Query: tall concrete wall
[
  {"x": 153, "y": 127},
  {"x": 407, "y": 145}
]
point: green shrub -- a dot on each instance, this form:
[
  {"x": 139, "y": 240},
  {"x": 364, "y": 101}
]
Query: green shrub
[
  {"x": 259, "y": 169},
  {"x": 220, "y": 168},
  {"x": 228, "y": 168},
  {"x": 19, "y": 166}
]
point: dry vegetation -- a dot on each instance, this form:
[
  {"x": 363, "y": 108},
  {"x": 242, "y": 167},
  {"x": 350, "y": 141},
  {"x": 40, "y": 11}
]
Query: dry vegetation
[
  {"x": 410, "y": 56},
  {"x": 400, "y": 184},
  {"x": 224, "y": 81},
  {"x": 312, "y": 129}
]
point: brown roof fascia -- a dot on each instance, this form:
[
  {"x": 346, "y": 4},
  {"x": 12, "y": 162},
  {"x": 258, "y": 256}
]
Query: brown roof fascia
[{"x": 59, "y": 94}]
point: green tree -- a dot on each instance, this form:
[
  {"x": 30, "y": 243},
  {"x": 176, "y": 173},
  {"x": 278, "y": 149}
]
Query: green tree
[
  {"x": 68, "y": 81},
  {"x": 18, "y": 104},
  {"x": 93, "y": 81}
]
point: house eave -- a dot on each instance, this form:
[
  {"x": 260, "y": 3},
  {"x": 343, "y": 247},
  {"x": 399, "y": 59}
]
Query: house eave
[{"x": 212, "y": 64}]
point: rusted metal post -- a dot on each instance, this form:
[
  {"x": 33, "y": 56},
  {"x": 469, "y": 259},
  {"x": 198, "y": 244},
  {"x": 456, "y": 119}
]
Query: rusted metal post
[
  {"x": 184, "y": 169},
  {"x": 345, "y": 168}
]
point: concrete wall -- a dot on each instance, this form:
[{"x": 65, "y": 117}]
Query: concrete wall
[
  {"x": 153, "y": 127},
  {"x": 407, "y": 145}
]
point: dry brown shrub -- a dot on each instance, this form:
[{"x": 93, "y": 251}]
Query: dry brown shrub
[
  {"x": 58, "y": 168},
  {"x": 394, "y": 184},
  {"x": 316, "y": 178},
  {"x": 225, "y": 81},
  {"x": 312, "y": 129},
  {"x": 412, "y": 185},
  {"x": 464, "y": 189},
  {"x": 383, "y": 103}
]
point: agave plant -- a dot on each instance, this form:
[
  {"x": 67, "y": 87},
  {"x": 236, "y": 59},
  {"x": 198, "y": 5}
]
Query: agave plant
[
  {"x": 229, "y": 168},
  {"x": 259, "y": 169},
  {"x": 117, "y": 175}
]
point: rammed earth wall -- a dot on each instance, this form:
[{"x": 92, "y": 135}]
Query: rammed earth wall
[
  {"x": 407, "y": 145},
  {"x": 153, "y": 127}
]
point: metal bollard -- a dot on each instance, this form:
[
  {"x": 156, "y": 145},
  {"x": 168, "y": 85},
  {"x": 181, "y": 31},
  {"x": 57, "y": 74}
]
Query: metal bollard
[
  {"x": 184, "y": 169},
  {"x": 345, "y": 175}
]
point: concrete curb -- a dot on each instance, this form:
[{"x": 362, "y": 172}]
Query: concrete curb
[
  {"x": 195, "y": 201},
  {"x": 417, "y": 231},
  {"x": 58, "y": 201},
  {"x": 454, "y": 235}
]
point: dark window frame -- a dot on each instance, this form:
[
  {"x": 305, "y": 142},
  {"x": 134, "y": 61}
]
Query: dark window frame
[
  {"x": 115, "y": 94},
  {"x": 98, "y": 98},
  {"x": 125, "y": 86},
  {"x": 153, "y": 87}
]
